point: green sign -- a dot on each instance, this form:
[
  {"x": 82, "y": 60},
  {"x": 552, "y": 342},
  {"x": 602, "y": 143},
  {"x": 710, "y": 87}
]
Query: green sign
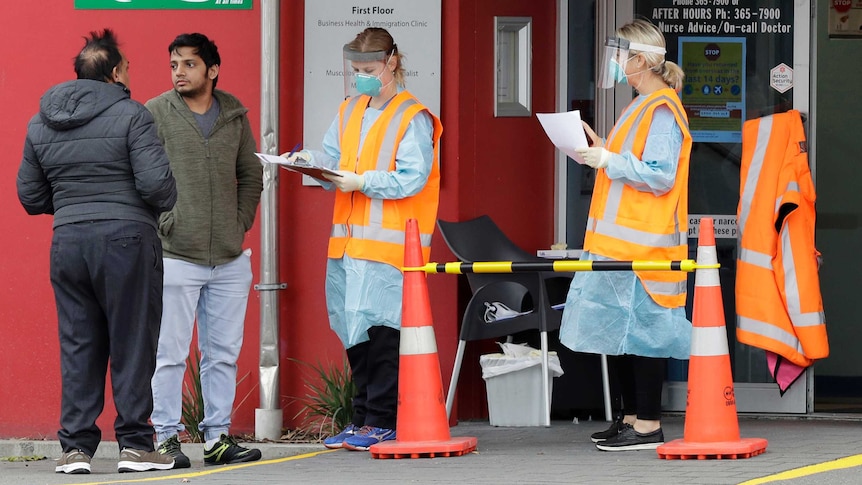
[{"x": 163, "y": 4}]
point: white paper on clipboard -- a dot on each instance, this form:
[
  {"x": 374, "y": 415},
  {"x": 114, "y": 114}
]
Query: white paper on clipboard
[
  {"x": 303, "y": 167},
  {"x": 565, "y": 131}
]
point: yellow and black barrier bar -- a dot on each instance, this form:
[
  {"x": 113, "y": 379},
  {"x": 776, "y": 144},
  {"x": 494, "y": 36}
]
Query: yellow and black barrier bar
[{"x": 567, "y": 266}]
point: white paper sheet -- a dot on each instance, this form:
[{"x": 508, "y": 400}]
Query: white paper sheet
[
  {"x": 565, "y": 131},
  {"x": 302, "y": 166}
]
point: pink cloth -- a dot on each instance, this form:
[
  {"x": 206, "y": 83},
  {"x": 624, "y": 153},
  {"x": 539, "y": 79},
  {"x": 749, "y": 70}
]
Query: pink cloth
[{"x": 783, "y": 371}]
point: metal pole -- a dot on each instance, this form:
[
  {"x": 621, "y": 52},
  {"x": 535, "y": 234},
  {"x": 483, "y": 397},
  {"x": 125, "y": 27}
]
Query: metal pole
[
  {"x": 606, "y": 389},
  {"x": 268, "y": 418}
]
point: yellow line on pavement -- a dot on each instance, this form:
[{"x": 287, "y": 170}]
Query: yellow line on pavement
[
  {"x": 839, "y": 464},
  {"x": 211, "y": 470}
]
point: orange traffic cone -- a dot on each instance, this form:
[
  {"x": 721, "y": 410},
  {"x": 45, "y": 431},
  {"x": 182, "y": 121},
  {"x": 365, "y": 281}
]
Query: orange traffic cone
[
  {"x": 711, "y": 425},
  {"x": 422, "y": 426}
]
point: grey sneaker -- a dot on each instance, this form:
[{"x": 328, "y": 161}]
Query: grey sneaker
[
  {"x": 73, "y": 462},
  {"x": 143, "y": 461},
  {"x": 171, "y": 447}
]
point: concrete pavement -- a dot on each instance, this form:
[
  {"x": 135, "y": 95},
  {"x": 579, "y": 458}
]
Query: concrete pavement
[{"x": 811, "y": 449}]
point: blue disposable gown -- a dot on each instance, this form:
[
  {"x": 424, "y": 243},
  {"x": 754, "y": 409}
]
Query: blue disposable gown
[
  {"x": 610, "y": 312},
  {"x": 362, "y": 293}
]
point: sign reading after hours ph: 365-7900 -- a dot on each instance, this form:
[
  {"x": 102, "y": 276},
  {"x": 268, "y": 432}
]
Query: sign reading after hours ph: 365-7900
[{"x": 718, "y": 17}]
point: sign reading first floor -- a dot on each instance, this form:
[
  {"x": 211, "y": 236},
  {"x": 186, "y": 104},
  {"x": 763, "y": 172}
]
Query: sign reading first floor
[{"x": 163, "y": 4}]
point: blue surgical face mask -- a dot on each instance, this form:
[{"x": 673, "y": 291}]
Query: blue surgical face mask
[
  {"x": 368, "y": 84},
  {"x": 617, "y": 72}
]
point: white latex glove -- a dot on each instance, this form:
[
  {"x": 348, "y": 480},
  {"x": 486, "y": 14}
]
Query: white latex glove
[
  {"x": 596, "y": 157},
  {"x": 297, "y": 157},
  {"x": 347, "y": 182}
]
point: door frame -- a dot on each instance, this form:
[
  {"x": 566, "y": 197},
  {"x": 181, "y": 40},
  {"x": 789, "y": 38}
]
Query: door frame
[{"x": 750, "y": 397}]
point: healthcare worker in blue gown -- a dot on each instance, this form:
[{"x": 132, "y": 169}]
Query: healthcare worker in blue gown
[
  {"x": 639, "y": 211},
  {"x": 384, "y": 146}
]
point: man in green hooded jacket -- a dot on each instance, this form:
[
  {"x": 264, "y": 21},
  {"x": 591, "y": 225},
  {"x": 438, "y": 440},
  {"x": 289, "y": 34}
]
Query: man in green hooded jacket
[{"x": 208, "y": 138}]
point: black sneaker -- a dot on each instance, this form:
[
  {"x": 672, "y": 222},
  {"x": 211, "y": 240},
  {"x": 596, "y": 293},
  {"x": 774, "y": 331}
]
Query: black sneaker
[
  {"x": 615, "y": 428},
  {"x": 171, "y": 447},
  {"x": 227, "y": 451},
  {"x": 629, "y": 439}
]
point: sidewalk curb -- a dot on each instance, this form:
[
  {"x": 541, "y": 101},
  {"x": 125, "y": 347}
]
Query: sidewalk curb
[{"x": 110, "y": 449}]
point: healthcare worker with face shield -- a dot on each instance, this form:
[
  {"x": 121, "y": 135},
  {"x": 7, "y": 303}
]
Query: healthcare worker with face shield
[
  {"x": 384, "y": 146},
  {"x": 639, "y": 211}
]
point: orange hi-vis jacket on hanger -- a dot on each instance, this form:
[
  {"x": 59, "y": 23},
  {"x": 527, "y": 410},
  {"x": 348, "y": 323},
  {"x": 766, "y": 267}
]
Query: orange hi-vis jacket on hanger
[
  {"x": 625, "y": 223},
  {"x": 778, "y": 298},
  {"x": 373, "y": 229}
]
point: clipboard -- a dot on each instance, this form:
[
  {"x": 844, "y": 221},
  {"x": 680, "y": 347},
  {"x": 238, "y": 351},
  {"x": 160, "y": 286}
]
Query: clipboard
[
  {"x": 310, "y": 170},
  {"x": 302, "y": 167}
]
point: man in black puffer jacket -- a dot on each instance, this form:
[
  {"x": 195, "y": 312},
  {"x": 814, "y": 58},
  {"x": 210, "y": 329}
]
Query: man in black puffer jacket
[{"x": 92, "y": 158}]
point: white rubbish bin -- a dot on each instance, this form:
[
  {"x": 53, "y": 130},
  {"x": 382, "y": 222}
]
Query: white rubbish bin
[{"x": 513, "y": 381}]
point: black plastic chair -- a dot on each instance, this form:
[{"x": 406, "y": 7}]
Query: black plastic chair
[{"x": 480, "y": 239}]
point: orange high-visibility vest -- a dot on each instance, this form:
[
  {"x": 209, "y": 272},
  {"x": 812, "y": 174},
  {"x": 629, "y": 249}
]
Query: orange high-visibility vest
[
  {"x": 777, "y": 284},
  {"x": 373, "y": 229},
  {"x": 625, "y": 223}
]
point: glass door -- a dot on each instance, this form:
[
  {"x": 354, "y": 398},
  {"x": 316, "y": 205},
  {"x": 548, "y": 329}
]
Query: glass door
[{"x": 743, "y": 59}]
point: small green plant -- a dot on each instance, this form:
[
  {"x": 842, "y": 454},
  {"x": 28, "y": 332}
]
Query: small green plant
[
  {"x": 330, "y": 395},
  {"x": 23, "y": 458},
  {"x": 193, "y": 397}
]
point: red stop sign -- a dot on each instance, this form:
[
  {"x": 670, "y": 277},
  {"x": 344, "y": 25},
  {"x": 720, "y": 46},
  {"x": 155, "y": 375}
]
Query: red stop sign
[
  {"x": 841, "y": 6},
  {"x": 712, "y": 52}
]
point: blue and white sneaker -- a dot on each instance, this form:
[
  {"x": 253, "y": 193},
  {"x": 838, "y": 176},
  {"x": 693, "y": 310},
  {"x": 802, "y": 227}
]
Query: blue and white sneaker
[
  {"x": 334, "y": 442},
  {"x": 366, "y": 437}
]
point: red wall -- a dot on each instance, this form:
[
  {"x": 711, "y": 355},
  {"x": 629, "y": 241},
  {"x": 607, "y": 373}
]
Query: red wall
[
  {"x": 489, "y": 166},
  {"x": 38, "y": 46}
]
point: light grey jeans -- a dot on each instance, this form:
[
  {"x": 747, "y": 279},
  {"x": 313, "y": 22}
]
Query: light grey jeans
[{"x": 218, "y": 296}]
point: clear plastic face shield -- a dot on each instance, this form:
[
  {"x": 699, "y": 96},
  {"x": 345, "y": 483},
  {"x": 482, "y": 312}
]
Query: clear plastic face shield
[
  {"x": 613, "y": 66},
  {"x": 364, "y": 72}
]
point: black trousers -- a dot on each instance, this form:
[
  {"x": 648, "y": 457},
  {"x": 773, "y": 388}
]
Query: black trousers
[
  {"x": 107, "y": 279},
  {"x": 640, "y": 380},
  {"x": 374, "y": 367}
]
